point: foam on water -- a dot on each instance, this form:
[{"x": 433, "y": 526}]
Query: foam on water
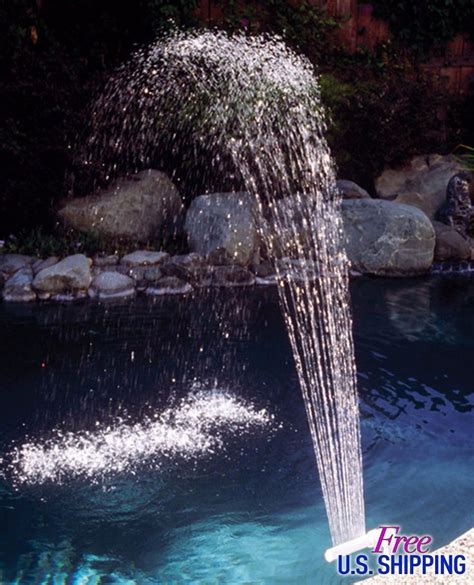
[{"x": 198, "y": 427}]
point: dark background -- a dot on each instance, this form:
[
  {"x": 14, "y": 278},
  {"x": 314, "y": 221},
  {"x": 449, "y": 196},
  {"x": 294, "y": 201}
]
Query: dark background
[{"x": 56, "y": 54}]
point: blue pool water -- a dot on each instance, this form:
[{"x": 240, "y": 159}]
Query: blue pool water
[{"x": 252, "y": 513}]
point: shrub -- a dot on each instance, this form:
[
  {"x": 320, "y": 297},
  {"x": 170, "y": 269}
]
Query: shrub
[
  {"x": 425, "y": 24},
  {"x": 382, "y": 119}
]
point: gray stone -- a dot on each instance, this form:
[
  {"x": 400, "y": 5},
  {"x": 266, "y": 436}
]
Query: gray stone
[
  {"x": 137, "y": 272},
  {"x": 106, "y": 261},
  {"x": 351, "y": 190},
  {"x": 154, "y": 273},
  {"x": 263, "y": 269},
  {"x": 450, "y": 244},
  {"x": 144, "y": 258},
  {"x": 169, "y": 285},
  {"x": 185, "y": 266},
  {"x": 223, "y": 221},
  {"x": 43, "y": 296},
  {"x": 191, "y": 267},
  {"x": 112, "y": 285},
  {"x": 69, "y": 297},
  {"x": 220, "y": 257},
  {"x": 70, "y": 275},
  {"x": 421, "y": 183},
  {"x": 138, "y": 208},
  {"x": 232, "y": 276},
  {"x": 387, "y": 239},
  {"x": 42, "y": 264},
  {"x": 18, "y": 287},
  {"x": 10, "y": 263},
  {"x": 96, "y": 270}
]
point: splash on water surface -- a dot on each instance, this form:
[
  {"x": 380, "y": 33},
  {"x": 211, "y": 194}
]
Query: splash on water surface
[{"x": 199, "y": 426}]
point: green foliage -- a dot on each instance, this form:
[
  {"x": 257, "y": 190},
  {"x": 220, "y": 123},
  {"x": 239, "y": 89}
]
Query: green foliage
[
  {"x": 382, "y": 119},
  {"x": 301, "y": 24},
  {"x": 422, "y": 25},
  {"x": 465, "y": 155},
  {"x": 41, "y": 244}
]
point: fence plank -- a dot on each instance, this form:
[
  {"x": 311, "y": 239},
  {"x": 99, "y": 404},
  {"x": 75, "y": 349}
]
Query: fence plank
[{"x": 358, "y": 27}]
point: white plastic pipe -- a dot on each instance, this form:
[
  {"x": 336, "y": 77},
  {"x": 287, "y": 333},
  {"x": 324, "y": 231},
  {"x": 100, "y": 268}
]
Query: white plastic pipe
[{"x": 367, "y": 540}]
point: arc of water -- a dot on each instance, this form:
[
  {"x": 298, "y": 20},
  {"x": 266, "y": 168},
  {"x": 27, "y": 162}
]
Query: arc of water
[{"x": 253, "y": 105}]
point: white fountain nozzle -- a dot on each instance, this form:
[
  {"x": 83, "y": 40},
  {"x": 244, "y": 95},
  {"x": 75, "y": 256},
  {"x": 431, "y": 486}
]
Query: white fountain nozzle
[{"x": 367, "y": 540}]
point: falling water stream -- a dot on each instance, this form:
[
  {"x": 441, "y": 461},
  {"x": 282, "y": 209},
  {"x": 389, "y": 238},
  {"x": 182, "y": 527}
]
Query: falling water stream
[{"x": 250, "y": 108}]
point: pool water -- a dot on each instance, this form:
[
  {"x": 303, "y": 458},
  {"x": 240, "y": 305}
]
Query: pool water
[{"x": 252, "y": 512}]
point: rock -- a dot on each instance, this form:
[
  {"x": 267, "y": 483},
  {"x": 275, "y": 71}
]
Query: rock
[
  {"x": 263, "y": 269},
  {"x": 10, "y": 263},
  {"x": 137, "y": 272},
  {"x": 185, "y": 266},
  {"x": 106, "y": 261},
  {"x": 138, "y": 208},
  {"x": 223, "y": 221},
  {"x": 220, "y": 257},
  {"x": 421, "y": 183},
  {"x": 450, "y": 244},
  {"x": 169, "y": 285},
  {"x": 69, "y": 297},
  {"x": 387, "y": 239},
  {"x": 458, "y": 211},
  {"x": 144, "y": 258},
  {"x": 18, "y": 287},
  {"x": 264, "y": 273},
  {"x": 112, "y": 285},
  {"x": 351, "y": 190},
  {"x": 43, "y": 296},
  {"x": 232, "y": 276},
  {"x": 154, "y": 274},
  {"x": 70, "y": 275},
  {"x": 39, "y": 265}
]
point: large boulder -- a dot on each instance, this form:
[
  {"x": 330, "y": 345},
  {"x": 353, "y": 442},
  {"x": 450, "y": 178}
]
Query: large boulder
[
  {"x": 71, "y": 275},
  {"x": 18, "y": 287},
  {"x": 450, "y": 244},
  {"x": 138, "y": 208},
  {"x": 351, "y": 190},
  {"x": 223, "y": 221},
  {"x": 387, "y": 239},
  {"x": 421, "y": 183}
]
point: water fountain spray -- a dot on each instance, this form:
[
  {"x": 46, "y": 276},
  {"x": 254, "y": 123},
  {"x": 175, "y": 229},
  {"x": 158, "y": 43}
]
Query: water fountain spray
[{"x": 251, "y": 108}]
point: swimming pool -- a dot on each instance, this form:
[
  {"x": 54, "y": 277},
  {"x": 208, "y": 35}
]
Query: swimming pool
[{"x": 252, "y": 510}]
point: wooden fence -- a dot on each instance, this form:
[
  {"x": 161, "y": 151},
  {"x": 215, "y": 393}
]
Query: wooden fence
[{"x": 359, "y": 28}]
